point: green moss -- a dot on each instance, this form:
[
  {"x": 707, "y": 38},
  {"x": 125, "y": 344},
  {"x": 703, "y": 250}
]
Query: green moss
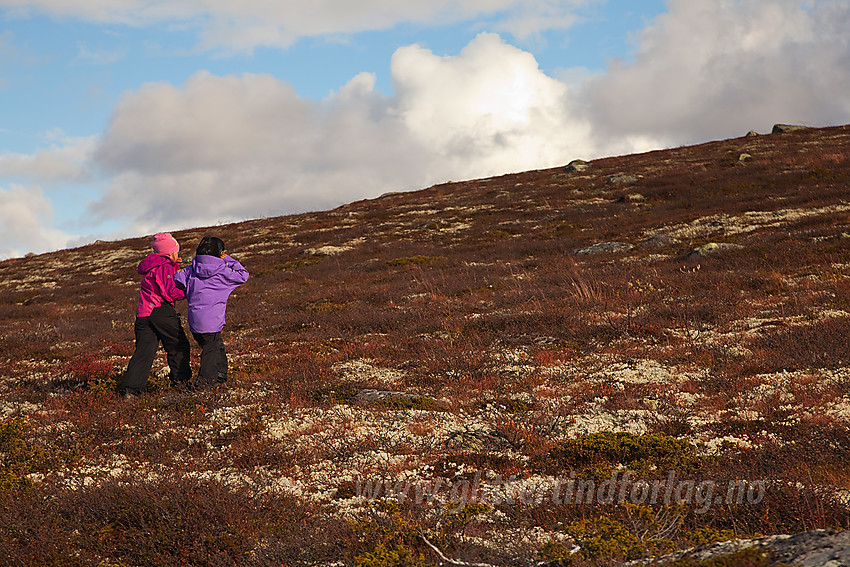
[
  {"x": 103, "y": 386},
  {"x": 158, "y": 383},
  {"x": 342, "y": 395},
  {"x": 410, "y": 402},
  {"x": 604, "y": 450},
  {"x": 557, "y": 554},
  {"x": 20, "y": 457},
  {"x": 511, "y": 405},
  {"x": 395, "y": 556},
  {"x": 825, "y": 174},
  {"x": 385, "y": 525},
  {"x": 606, "y": 537},
  {"x": 11, "y": 481},
  {"x": 420, "y": 259},
  {"x": 703, "y": 536},
  {"x": 326, "y": 306}
]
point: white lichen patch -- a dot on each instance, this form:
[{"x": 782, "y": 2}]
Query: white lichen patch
[
  {"x": 636, "y": 372},
  {"x": 327, "y": 250},
  {"x": 364, "y": 370},
  {"x": 730, "y": 225}
]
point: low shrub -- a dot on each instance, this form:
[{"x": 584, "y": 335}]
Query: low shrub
[
  {"x": 21, "y": 456},
  {"x": 600, "y": 452},
  {"x": 418, "y": 259},
  {"x": 157, "y": 523},
  {"x": 395, "y": 556}
]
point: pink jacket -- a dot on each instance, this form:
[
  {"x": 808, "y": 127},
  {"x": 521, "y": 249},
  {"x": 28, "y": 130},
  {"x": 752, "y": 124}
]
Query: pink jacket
[{"x": 157, "y": 284}]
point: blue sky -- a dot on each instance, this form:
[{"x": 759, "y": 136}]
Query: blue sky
[{"x": 127, "y": 117}]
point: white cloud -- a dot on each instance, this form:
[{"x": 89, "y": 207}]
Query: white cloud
[
  {"x": 714, "y": 69},
  {"x": 25, "y": 217},
  {"x": 225, "y": 148},
  {"x": 247, "y": 24},
  {"x": 234, "y": 147},
  {"x": 487, "y": 110},
  {"x": 64, "y": 161}
]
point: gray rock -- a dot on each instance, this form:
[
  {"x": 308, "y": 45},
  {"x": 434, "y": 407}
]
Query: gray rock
[
  {"x": 476, "y": 440},
  {"x": 605, "y": 247},
  {"x": 752, "y": 133},
  {"x": 577, "y": 166},
  {"x": 815, "y": 548},
  {"x": 818, "y": 548},
  {"x": 370, "y": 395},
  {"x": 782, "y": 128},
  {"x": 633, "y": 198},
  {"x": 660, "y": 241},
  {"x": 714, "y": 248},
  {"x": 622, "y": 179}
]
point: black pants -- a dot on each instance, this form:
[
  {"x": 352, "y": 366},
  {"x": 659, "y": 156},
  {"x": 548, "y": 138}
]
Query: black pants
[
  {"x": 213, "y": 359},
  {"x": 164, "y": 326}
]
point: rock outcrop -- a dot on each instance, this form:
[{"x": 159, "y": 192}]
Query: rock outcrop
[
  {"x": 605, "y": 247},
  {"x": 622, "y": 179},
  {"x": 818, "y": 548},
  {"x": 577, "y": 166},
  {"x": 714, "y": 248},
  {"x": 782, "y": 128}
]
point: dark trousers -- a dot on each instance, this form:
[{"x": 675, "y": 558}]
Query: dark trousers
[
  {"x": 213, "y": 359},
  {"x": 164, "y": 326}
]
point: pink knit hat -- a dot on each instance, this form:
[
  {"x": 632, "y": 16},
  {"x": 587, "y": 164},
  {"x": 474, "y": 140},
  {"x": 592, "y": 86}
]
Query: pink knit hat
[{"x": 164, "y": 243}]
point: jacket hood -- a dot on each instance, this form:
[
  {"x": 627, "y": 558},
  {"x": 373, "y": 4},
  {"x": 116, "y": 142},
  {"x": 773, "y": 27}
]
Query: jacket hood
[
  {"x": 207, "y": 266},
  {"x": 153, "y": 261}
]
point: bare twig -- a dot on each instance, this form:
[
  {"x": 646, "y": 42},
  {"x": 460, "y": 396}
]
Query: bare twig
[{"x": 448, "y": 561}]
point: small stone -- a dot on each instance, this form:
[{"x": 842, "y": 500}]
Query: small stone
[
  {"x": 371, "y": 395},
  {"x": 632, "y": 198},
  {"x": 605, "y": 247},
  {"x": 621, "y": 179},
  {"x": 660, "y": 241},
  {"x": 714, "y": 248}
]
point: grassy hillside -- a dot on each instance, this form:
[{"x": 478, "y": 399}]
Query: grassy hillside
[{"x": 666, "y": 331}]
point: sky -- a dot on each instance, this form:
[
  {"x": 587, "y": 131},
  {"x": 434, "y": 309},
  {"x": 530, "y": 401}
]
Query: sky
[{"x": 122, "y": 118}]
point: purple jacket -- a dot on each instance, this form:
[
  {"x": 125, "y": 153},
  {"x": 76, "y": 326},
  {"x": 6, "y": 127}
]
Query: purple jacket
[
  {"x": 157, "y": 283},
  {"x": 208, "y": 282}
]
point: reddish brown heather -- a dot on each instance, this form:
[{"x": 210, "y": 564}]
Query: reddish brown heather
[{"x": 724, "y": 323}]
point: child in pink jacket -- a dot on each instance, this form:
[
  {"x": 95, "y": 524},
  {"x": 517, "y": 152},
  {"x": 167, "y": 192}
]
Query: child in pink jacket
[{"x": 157, "y": 321}]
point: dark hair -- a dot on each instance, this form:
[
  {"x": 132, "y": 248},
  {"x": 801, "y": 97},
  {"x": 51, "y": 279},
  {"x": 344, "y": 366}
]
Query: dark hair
[{"x": 210, "y": 246}]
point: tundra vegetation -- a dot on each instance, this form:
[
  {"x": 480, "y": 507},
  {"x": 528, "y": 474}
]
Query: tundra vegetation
[{"x": 442, "y": 371}]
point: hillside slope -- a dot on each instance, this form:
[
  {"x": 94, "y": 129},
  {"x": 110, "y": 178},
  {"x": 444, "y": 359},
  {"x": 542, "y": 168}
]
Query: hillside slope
[{"x": 674, "y": 324}]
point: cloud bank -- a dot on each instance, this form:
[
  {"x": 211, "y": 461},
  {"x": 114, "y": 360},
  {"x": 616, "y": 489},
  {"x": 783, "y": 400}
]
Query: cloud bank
[
  {"x": 224, "y": 148},
  {"x": 67, "y": 160},
  {"x": 25, "y": 216},
  {"x": 712, "y": 69},
  {"x": 239, "y": 146},
  {"x": 244, "y": 25}
]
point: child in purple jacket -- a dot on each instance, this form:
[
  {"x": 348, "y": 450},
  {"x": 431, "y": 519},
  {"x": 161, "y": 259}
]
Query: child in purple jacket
[
  {"x": 208, "y": 282},
  {"x": 156, "y": 319}
]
